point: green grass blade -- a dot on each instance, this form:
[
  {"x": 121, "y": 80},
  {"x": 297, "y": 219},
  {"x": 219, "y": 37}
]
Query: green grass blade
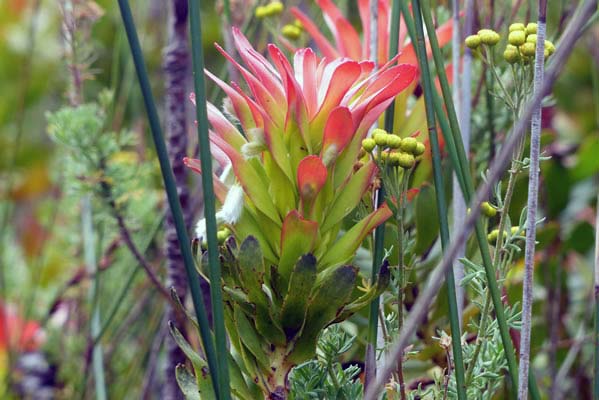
[
  {"x": 171, "y": 190},
  {"x": 427, "y": 84},
  {"x": 197, "y": 54}
]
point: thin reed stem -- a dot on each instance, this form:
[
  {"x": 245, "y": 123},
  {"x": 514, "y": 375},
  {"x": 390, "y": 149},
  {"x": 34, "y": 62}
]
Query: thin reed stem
[
  {"x": 89, "y": 250},
  {"x": 216, "y": 297},
  {"x": 531, "y": 209},
  {"x": 454, "y": 319},
  {"x": 171, "y": 190}
]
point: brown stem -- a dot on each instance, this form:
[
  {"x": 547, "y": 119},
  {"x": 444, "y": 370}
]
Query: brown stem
[{"x": 176, "y": 73}]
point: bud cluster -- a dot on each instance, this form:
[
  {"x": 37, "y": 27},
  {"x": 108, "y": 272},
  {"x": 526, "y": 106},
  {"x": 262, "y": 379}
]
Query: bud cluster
[
  {"x": 394, "y": 150},
  {"x": 292, "y": 31},
  {"x": 269, "y": 10}
]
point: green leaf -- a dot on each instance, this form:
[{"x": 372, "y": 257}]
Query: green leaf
[
  {"x": 382, "y": 282},
  {"x": 251, "y": 266},
  {"x": 295, "y": 304},
  {"x": 187, "y": 383},
  {"x": 344, "y": 249},
  {"x": 324, "y": 306},
  {"x": 348, "y": 197},
  {"x": 200, "y": 367},
  {"x": 298, "y": 237},
  {"x": 427, "y": 220},
  {"x": 249, "y": 337}
]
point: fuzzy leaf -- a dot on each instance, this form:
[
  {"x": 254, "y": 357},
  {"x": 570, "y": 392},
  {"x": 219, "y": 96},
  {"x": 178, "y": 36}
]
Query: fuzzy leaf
[
  {"x": 348, "y": 197},
  {"x": 298, "y": 237},
  {"x": 187, "y": 383},
  {"x": 343, "y": 250},
  {"x": 295, "y": 304},
  {"x": 324, "y": 306},
  {"x": 249, "y": 338}
]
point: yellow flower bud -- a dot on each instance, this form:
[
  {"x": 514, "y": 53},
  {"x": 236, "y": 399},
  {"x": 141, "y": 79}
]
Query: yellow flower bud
[
  {"x": 406, "y": 160},
  {"x": 291, "y": 32},
  {"x": 222, "y": 235},
  {"x": 516, "y": 38},
  {"x": 532, "y": 38},
  {"x": 393, "y": 141},
  {"x": 492, "y": 237},
  {"x": 384, "y": 156},
  {"x": 368, "y": 144},
  {"x": 299, "y": 24},
  {"x": 528, "y": 49},
  {"x": 380, "y": 137},
  {"x": 531, "y": 28},
  {"x": 394, "y": 159},
  {"x": 514, "y": 230},
  {"x": 517, "y": 26},
  {"x": 549, "y": 47},
  {"x": 419, "y": 150},
  {"x": 489, "y": 37},
  {"x": 274, "y": 8},
  {"x": 488, "y": 210},
  {"x": 261, "y": 12},
  {"x": 472, "y": 41},
  {"x": 511, "y": 54},
  {"x": 408, "y": 145}
]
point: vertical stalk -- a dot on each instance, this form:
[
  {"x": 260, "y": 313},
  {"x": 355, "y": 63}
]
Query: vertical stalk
[
  {"x": 456, "y": 337},
  {"x": 92, "y": 269},
  {"x": 171, "y": 190},
  {"x": 197, "y": 53},
  {"x": 596, "y": 331},
  {"x": 458, "y": 202},
  {"x": 176, "y": 68},
  {"x": 531, "y": 210},
  {"x": 379, "y": 233}
]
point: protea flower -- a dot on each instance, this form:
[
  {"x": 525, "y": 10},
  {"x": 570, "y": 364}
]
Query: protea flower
[
  {"x": 348, "y": 42},
  {"x": 293, "y": 140}
]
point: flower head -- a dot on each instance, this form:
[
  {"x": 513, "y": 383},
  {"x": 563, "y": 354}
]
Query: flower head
[{"x": 304, "y": 123}]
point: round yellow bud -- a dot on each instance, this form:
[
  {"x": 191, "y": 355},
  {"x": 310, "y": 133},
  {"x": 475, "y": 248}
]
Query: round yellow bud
[
  {"x": 528, "y": 49},
  {"x": 368, "y": 144},
  {"x": 275, "y": 8},
  {"x": 419, "y": 150},
  {"x": 408, "y": 145},
  {"x": 380, "y": 137},
  {"x": 549, "y": 47},
  {"x": 222, "y": 235},
  {"x": 394, "y": 159},
  {"x": 291, "y": 32},
  {"x": 531, "y": 28},
  {"x": 299, "y": 24},
  {"x": 516, "y": 38},
  {"x": 261, "y": 12},
  {"x": 489, "y": 37},
  {"x": 517, "y": 26},
  {"x": 488, "y": 210},
  {"x": 393, "y": 141},
  {"x": 532, "y": 38},
  {"x": 514, "y": 230},
  {"x": 406, "y": 160},
  {"x": 472, "y": 41},
  {"x": 492, "y": 236},
  {"x": 511, "y": 54}
]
